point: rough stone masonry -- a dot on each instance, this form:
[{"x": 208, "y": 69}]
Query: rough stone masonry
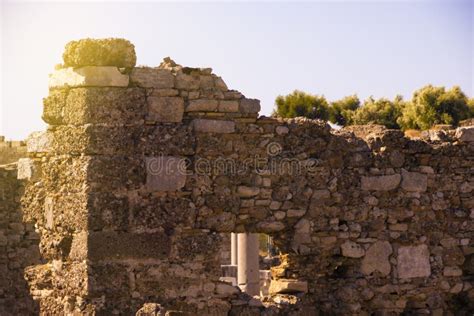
[{"x": 141, "y": 169}]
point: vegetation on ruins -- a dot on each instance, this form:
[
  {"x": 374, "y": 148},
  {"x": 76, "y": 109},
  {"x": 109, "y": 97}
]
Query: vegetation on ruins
[
  {"x": 299, "y": 103},
  {"x": 428, "y": 106}
]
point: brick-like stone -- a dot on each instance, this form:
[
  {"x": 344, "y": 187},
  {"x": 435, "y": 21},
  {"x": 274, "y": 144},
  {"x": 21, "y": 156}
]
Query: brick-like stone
[
  {"x": 165, "y": 173},
  {"x": 89, "y": 76},
  {"x": 38, "y": 142},
  {"x": 213, "y": 126},
  {"x": 380, "y": 183},
  {"x": 228, "y": 106},
  {"x": 165, "y": 109},
  {"x": 283, "y": 286},
  {"x": 28, "y": 169},
  {"x": 202, "y": 106},
  {"x": 376, "y": 258},
  {"x": 100, "y": 52},
  {"x": 352, "y": 250},
  {"x": 152, "y": 78},
  {"x": 187, "y": 82},
  {"x": 465, "y": 134},
  {"x": 249, "y": 106},
  {"x": 414, "y": 181},
  {"x": 413, "y": 262},
  {"x": 244, "y": 191},
  {"x": 95, "y": 105}
]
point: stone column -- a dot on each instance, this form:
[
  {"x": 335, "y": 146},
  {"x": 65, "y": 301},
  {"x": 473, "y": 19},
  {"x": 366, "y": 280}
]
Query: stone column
[
  {"x": 248, "y": 266},
  {"x": 233, "y": 249}
]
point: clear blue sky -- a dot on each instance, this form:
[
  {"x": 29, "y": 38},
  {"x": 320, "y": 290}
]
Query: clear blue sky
[{"x": 261, "y": 49}]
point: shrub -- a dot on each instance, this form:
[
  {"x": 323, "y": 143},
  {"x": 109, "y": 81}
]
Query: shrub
[{"x": 299, "y": 103}]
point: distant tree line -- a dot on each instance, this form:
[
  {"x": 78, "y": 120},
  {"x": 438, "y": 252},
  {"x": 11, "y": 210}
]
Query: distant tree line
[{"x": 428, "y": 106}]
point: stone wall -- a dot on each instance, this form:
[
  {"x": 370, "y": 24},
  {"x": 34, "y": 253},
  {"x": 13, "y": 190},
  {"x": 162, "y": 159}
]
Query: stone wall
[
  {"x": 11, "y": 151},
  {"x": 141, "y": 170},
  {"x": 18, "y": 248}
]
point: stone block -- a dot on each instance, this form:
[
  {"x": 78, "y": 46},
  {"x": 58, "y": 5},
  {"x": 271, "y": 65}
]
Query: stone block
[
  {"x": 220, "y": 84},
  {"x": 352, "y": 250},
  {"x": 414, "y": 181},
  {"x": 465, "y": 134},
  {"x": 226, "y": 290},
  {"x": 95, "y": 105},
  {"x": 121, "y": 245},
  {"x": 452, "y": 272},
  {"x": 100, "y": 52},
  {"x": 213, "y": 126},
  {"x": 283, "y": 286},
  {"x": 376, "y": 258},
  {"x": 413, "y": 262},
  {"x": 152, "y": 78},
  {"x": 165, "y": 173},
  {"x": 28, "y": 169},
  {"x": 38, "y": 142},
  {"x": 380, "y": 183},
  {"x": 248, "y": 106},
  {"x": 89, "y": 76},
  {"x": 282, "y": 130},
  {"x": 228, "y": 106},
  {"x": 295, "y": 213},
  {"x": 270, "y": 226},
  {"x": 187, "y": 82},
  {"x": 244, "y": 191},
  {"x": 165, "y": 109},
  {"x": 202, "y": 106}
]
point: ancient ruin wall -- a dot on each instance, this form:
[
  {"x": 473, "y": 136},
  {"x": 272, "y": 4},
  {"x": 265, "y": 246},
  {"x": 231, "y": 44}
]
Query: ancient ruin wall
[
  {"x": 142, "y": 168},
  {"x": 18, "y": 247},
  {"x": 11, "y": 151}
]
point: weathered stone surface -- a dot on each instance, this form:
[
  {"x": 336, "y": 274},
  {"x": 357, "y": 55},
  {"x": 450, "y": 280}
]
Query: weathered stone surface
[
  {"x": 165, "y": 173},
  {"x": 28, "y": 169},
  {"x": 225, "y": 290},
  {"x": 81, "y": 106},
  {"x": 465, "y": 134},
  {"x": 202, "y": 106},
  {"x": 295, "y": 213},
  {"x": 245, "y": 191},
  {"x": 452, "y": 271},
  {"x": 281, "y": 130},
  {"x": 165, "y": 109},
  {"x": 283, "y": 286},
  {"x": 249, "y": 106},
  {"x": 376, "y": 258},
  {"x": 213, "y": 126},
  {"x": 380, "y": 183},
  {"x": 118, "y": 245},
  {"x": 413, "y": 262},
  {"x": 352, "y": 250},
  {"x": 414, "y": 181},
  {"x": 270, "y": 226},
  {"x": 152, "y": 78},
  {"x": 228, "y": 106},
  {"x": 89, "y": 76},
  {"x": 100, "y": 52},
  {"x": 38, "y": 142},
  {"x": 187, "y": 82}
]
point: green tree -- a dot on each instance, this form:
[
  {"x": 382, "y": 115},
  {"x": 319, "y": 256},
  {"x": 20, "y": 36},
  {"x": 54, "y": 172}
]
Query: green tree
[
  {"x": 299, "y": 103},
  {"x": 381, "y": 111},
  {"x": 470, "y": 104},
  {"x": 342, "y": 110},
  {"x": 432, "y": 105}
]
